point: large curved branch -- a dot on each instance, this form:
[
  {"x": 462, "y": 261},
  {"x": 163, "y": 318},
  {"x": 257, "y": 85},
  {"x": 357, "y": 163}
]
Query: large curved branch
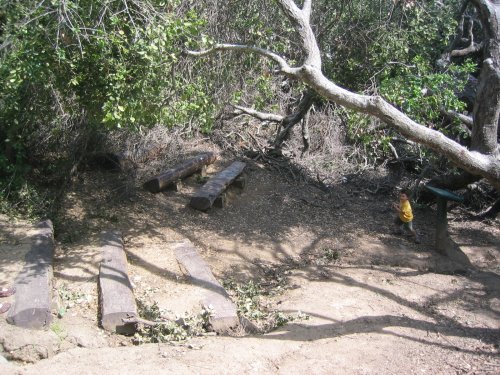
[
  {"x": 489, "y": 13},
  {"x": 484, "y": 164},
  {"x": 300, "y": 20},
  {"x": 288, "y": 121},
  {"x": 466, "y": 120},
  {"x": 474, "y": 162}
]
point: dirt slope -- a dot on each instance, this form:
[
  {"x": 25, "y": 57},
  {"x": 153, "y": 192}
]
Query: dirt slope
[{"x": 375, "y": 302}]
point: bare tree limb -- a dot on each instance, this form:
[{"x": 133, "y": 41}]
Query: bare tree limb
[
  {"x": 472, "y": 48},
  {"x": 294, "y": 118},
  {"x": 263, "y": 116},
  {"x": 287, "y": 122},
  {"x": 300, "y": 19},
  {"x": 306, "y": 9},
  {"x": 467, "y": 120},
  {"x": 306, "y": 138}
]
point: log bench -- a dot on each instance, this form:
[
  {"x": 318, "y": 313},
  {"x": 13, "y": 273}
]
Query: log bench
[
  {"x": 205, "y": 197},
  {"x": 180, "y": 171},
  {"x": 117, "y": 301},
  {"x": 33, "y": 298},
  {"x": 224, "y": 316}
]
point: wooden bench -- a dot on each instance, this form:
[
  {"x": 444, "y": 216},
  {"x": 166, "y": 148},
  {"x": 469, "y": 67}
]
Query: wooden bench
[
  {"x": 224, "y": 316},
  {"x": 117, "y": 301},
  {"x": 185, "y": 169},
  {"x": 205, "y": 197},
  {"x": 33, "y": 298}
]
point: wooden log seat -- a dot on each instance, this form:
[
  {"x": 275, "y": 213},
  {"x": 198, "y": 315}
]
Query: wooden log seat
[
  {"x": 223, "y": 312},
  {"x": 33, "y": 298},
  {"x": 205, "y": 197},
  {"x": 182, "y": 170},
  {"x": 117, "y": 301}
]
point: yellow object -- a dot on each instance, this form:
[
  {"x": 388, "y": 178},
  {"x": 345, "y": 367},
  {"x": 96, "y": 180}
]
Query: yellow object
[{"x": 405, "y": 213}]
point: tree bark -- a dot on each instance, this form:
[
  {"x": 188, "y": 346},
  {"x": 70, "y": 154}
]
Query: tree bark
[
  {"x": 289, "y": 121},
  {"x": 487, "y": 103}
]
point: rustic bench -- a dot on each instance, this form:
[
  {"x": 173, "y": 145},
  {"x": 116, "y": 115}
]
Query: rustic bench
[
  {"x": 182, "y": 170},
  {"x": 117, "y": 301},
  {"x": 205, "y": 197},
  {"x": 33, "y": 298},
  {"x": 224, "y": 316}
]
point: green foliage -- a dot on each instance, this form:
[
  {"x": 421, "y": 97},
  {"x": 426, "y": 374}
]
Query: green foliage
[
  {"x": 59, "y": 330},
  {"x": 331, "y": 255},
  {"x": 20, "y": 197},
  {"x": 113, "y": 59},
  {"x": 70, "y": 69},
  {"x": 421, "y": 92},
  {"x": 249, "y": 301},
  {"x": 264, "y": 92},
  {"x": 381, "y": 36},
  {"x": 392, "y": 51},
  {"x": 167, "y": 330}
]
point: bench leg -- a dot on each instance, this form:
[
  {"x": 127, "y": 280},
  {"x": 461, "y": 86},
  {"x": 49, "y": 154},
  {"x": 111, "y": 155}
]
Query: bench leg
[
  {"x": 221, "y": 201},
  {"x": 442, "y": 226},
  {"x": 203, "y": 171},
  {"x": 241, "y": 181},
  {"x": 175, "y": 186}
]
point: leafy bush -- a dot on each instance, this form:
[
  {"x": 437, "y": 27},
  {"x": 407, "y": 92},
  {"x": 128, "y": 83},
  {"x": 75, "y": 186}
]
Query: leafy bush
[
  {"x": 70, "y": 71},
  {"x": 166, "y": 330}
]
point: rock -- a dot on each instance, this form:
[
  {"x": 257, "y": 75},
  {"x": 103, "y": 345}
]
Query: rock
[{"x": 28, "y": 345}]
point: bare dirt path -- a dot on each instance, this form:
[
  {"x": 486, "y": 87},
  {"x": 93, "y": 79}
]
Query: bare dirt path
[{"x": 371, "y": 302}]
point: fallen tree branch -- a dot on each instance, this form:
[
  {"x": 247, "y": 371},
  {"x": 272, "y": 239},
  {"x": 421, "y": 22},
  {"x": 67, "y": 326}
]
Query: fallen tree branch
[
  {"x": 263, "y": 116},
  {"x": 467, "y": 120}
]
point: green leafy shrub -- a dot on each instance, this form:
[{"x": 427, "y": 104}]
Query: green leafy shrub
[{"x": 166, "y": 330}]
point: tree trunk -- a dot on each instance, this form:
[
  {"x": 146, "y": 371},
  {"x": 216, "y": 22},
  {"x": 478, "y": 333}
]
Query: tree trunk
[
  {"x": 487, "y": 103},
  {"x": 289, "y": 121}
]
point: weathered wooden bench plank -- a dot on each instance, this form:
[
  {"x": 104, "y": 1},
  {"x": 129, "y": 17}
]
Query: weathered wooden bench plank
[
  {"x": 204, "y": 198},
  {"x": 117, "y": 299},
  {"x": 186, "y": 168},
  {"x": 224, "y": 314},
  {"x": 32, "y": 306}
]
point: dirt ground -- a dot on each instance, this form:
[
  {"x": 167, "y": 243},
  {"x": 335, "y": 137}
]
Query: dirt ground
[{"x": 370, "y": 301}]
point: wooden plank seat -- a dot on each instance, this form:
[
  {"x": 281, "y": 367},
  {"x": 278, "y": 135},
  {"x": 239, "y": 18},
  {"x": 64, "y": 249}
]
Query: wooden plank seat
[
  {"x": 32, "y": 306},
  {"x": 180, "y": 171},
  {"x": 205, "y": 197},
  {"x": 224, "y": 316},
  {"x": 117, "y": 301}
]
